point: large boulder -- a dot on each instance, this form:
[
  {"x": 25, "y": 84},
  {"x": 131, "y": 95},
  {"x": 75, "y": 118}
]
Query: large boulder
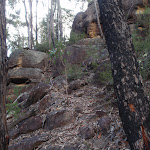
[
  {"x": 37, "y": 93},
  {"x": 83, "y": 21},
  {"x": 21, "y": 75},
  {"x": 75, "y": 54},
  {"x": 29, "y": 125},
  {"x": 27, "y": 66},
  {"x": 29, "y": 143},
  {"x": 58, "y": 119},
  {"x": 28, "y": 59},
  {"x": 86, "y": 22}
]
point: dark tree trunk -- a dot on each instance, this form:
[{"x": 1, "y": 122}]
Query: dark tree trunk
[
  {"x": 3, "y": 75},
  {"x": 133, "y": 105}
]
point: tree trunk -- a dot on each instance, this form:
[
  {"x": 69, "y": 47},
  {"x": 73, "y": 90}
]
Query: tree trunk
[
  {"x": 36, "y": 30},
  {"x": 134, "y": 107},
  {"x": 51, "y": 27},
  {"x": 27, "y": 23},
  {"x": 98, "y": 20},
  {"x": 3, "y": 78},
  {"x": 30, "y": 26},
  {"x": 59, "y": 21}
]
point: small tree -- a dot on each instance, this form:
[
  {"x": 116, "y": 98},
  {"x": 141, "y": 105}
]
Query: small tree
[
  {"x": 134, "y": 107},
  {"x": 3, "y": 74}
]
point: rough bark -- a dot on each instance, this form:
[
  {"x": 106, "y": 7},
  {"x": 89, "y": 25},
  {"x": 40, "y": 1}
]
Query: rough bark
[
  {"x": 3, "y": 77},
  {"x": 134, "y": 107}
]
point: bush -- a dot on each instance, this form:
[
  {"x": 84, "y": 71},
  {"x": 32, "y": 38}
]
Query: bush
[
  {"x": 44, "y": 47},
  {"x": 75, "y": 37},
  {"x": 104, "y": 75},
  {"x": 141, "y": 42},
  {"x": 74, "y": 72},
  {"x": 12, "y": 108}
]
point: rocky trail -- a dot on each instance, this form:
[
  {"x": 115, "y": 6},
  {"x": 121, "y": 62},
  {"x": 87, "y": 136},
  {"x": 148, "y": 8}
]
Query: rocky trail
[
  {"x": 49, "y": 118},
  {"x": 86, "y": 119}
]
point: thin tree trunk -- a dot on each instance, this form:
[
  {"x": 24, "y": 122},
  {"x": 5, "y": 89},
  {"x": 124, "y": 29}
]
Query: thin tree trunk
[
  {"x": 27, "y": 23},
  {"x": 134, "y": 107},
  {"x": 48, "y": 24},
  {"x": 51, "y": 27},
  {"x": 3, "y": 77},
  {"x": 59, "y": 20},
  {"x": 98, "y": 20},
  {"x": 36, "y": 32},
  {"x": 30, "y": 26}
]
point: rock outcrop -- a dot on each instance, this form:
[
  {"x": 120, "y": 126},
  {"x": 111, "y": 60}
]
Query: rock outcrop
[
  {"x": 86, "y": 22},
  {"x": 26, "y": 66}
]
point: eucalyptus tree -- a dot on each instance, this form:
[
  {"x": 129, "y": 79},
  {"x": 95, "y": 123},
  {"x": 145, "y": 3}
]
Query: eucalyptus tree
[
  {"x": 36, "y": 26},
  {"x": 3, "y": 78},
  {"x": 134, "y": 107},
  {"x": 26, "y": 18},
  {"x": 59, "y": 27},
  {"x": 29, "y": 22}
]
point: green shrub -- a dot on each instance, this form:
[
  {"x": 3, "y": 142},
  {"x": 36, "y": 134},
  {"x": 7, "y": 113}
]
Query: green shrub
[
  {"x": 75, "y": 37},
  {"x": 74, "y": 72},
  {"x": 12, "y": 108},
  {"x": 44, "y": 47},
  {"x": 17, "y": 91},
  {"x": 141, "y": 42},
  {"x": 104, "y": 75}
]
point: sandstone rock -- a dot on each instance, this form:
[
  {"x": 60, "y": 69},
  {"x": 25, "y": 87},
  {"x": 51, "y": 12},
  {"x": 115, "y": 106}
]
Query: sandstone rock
[
  {"x": 22, "y": 97},
  {"x": 28, "y": 59},
  {"x": 21, "y": 118},
  {"x": 37, "y": 93},
  {"x": 21, "y": 75},
  {"x": 43, "y": 104},
  {"x": 86, "y": 22},
  {"x": 58, "y": 119},
  {"x": 86, "y": 133},
  {"x": 14, "y": 133},
  {"x": 30, "y": 125},
  {"x": 29, "y": 143},
  {"x": 82, "y": 21},
  {"x": 75, "y": 54}
]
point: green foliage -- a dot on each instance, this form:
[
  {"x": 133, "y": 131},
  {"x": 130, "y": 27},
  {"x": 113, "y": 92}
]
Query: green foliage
[
  {"x": 43, "y": 31},
  {"x": 12, "y": 3},
  {"x": 93, "y": 51},
  {"x": 74, "y": 72},
  {"x": 17, "y": 91},
  {"x": 58, "y": 51},
  {"x": 141, "y": 42},
  {"x": 43, "y": 47},
  {"x": 12, "y": 108},
  {"x": 104, "y": 75},
  {"x": 75, "y": 37}
]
